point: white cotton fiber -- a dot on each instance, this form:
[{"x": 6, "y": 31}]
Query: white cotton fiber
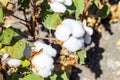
[
  {"x": 47, "y": 49},
  {"x": 78, "y": 29},
  {"x": 88, "y": 30},
  {"x": 42, "y": 60},
  {"x": 14, "y": 62},
  {"x": 60, "y": 1},
  {"x": 87, "y": 39},
  {"x": 57, "y": 7},
  {"x": 74, "y": 44},
  {"x": 68, "y": 2},
  {"x": 5, "y": 56},
  {"x": 43, "y": 63},
  {"x": 38, "y": 45},
  {"x": 63, "y": 32}
]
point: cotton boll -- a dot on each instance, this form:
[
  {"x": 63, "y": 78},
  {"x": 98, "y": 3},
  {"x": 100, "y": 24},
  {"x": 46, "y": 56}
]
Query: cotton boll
[
  {"x": 5, "y": 56},
  {"x": 14, "y": 62},
  {"x": 42, "y": 60},
  {"x": 78, "y": 29},
  {"x": 49, "y": 51},
  {"x": 88, "y": 30},
  {"x": 87, "y": 39},
  {"x": 43, "y": 63},
  {"x": 38, "y": 45},
  {"x": 68, "y": 2},
  {"x": 60, "y": 1},
  {"x": 44, "y": 73},
  {"x": 74, "y": 44},
  {"x": 57, "y": 7},
  {"x": 63, "y": 32}
]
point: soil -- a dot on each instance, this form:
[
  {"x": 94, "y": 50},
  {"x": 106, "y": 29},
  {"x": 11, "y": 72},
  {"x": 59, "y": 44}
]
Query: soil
[{"x": 103, "y": 56}]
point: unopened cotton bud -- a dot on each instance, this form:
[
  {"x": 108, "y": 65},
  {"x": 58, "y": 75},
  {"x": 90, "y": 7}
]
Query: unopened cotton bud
[
  {"x": 5, "y": 56},
  {"x": 68, "y": 2},
  {"x": 57, "y": 7},
  {"x": 63, "y": 32},
  {"x": 14, "y": 62},
  {"x": 74, "y": 44},
  {"x": 87, "y": 39}
]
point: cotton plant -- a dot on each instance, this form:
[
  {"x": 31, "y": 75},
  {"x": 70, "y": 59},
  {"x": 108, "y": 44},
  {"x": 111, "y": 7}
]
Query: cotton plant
[
  {"x": 59, "y": 6},
  {"x": 74, "y": 34},
  {"x": 42, "y": 64}
]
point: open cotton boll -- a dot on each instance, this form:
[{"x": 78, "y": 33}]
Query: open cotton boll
[
  {"x": 5, "y": 56},
  {"x": 57, "y": 7},
  {"x": 87, "y": 39},
  {"x": 14, "y": 62},
  {"x": 38, "y": 45},
  {"x": 60, "y": 1},
  {"x": 44, "y": 73},
  {"x": 43, "y": 63},
  {"x": 68, "y": 2},
  {"x": 42, "y": 60},
  {"x": 78, "y": 29},
  {"x": 49, "y": 51},
  {"x": 74, "y": 44},
  {"x": 88, "y": 30},
  {"x": 62, "y": 33}
]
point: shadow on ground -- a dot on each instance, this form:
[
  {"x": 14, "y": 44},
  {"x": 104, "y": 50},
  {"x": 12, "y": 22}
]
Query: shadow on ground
[
  {"x": 94, "y": 55},
  {"x": 75, "y": 72}
]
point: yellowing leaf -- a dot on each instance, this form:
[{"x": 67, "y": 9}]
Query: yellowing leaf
[
  {"x": 17, "y": 50},
  {"x": 52, "y": 21},
  {"x": 1, "y": 15},
  {"x": 4, "y": 2},
  {"x": 25, "y": 63}
]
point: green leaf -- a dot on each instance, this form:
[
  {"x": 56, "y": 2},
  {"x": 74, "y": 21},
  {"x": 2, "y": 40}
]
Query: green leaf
[
  {"x": 33, "y": 76},
  {"x": 82, "y": 56},
  {"x": 96, "y": 3},
  {"x": 7, "y": 36},
  {"x": 17, "y": 50},
  {"x": 51, "y": 21},
  {"x": 104, "y": 12},
  {"x": 25, "y": 63},
  {"x": 1, "y": 15},
  {"x": 59, "y": 76},
  {"x": 79, "y": 4}
]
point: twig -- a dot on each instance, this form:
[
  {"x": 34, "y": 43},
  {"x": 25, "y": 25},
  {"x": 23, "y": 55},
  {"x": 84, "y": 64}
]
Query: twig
[
  {"x": 19, "y": 18},
  {"x": 53, "y": 39},
  {"x": 87, "y": 5}
]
